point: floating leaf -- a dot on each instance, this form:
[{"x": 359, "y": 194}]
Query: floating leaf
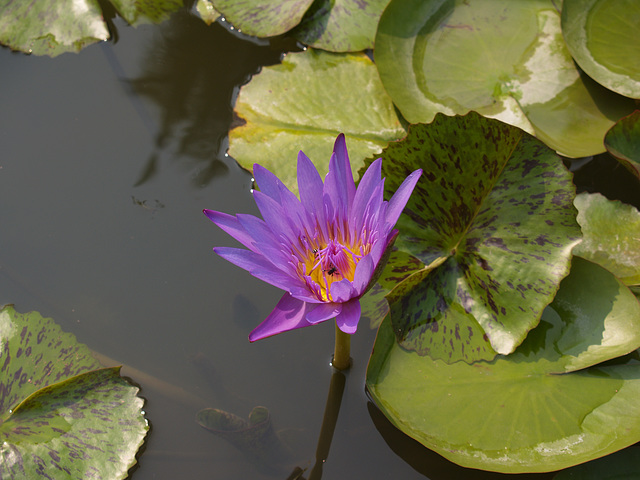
[
  {"x": 602, "y": 37},
  {"x": 57, "y": 413},
  {"x": 206, "y": 11},
  {"x": 623, "y": 142},
  {"x": 263, "y": 18},
  {"x": 341, "y": 25},
  {"x": 52, "y": 27},
  {"x": 303, "y": 104},
  {"x": 549, "y": 405},
  {"x": 492, "y": 216},
  {"x": 374, "y": 305},
  {"x": 451, "y": 57},
  {"x": 611, "y": 235}
]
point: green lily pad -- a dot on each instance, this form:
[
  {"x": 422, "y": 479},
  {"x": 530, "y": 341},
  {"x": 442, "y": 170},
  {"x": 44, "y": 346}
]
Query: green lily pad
[
  {"x": 602, "y": 37},
  {"x": 548, "y": 406},
  {"x": 623, "y": 142},
  {"x": 451, "y": 57},
  {"x": 341, "y": 25},
  {"x": 52, "y": 27},
  {"x": 611, "y": 235},
  {"x": 303, "y": 104},
  {"x": 263, "y": 18},
  {"x": 60, "y": 412},
  {"x": 492, "y": 218}
]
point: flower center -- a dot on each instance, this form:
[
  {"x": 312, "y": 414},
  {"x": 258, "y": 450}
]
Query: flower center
[{"x": 323, "y": 264}]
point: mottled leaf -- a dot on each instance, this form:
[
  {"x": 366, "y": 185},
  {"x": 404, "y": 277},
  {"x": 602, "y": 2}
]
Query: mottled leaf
[
  {"x": 452, "y": 57},
  {"x": 493, "y": 216},
  {"x": 549, "y": 405},
  {"x": 263, "y": 18},
  {"x": 341, "y": 25},
  {"x": 303, "y": 104},
  {"x": 623, "y": 142},
  {"x": 52, "y": 27},
  {"x": 206, "y": 11},
  {"x": 374, "y": 305},
  {"x": 60, "y": 416},
  {"x": 602, "y": 36},
  {"x": 611, "y": 235}
]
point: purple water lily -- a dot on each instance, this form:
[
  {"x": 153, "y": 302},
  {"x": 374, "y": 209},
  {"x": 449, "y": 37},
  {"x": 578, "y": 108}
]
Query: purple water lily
[{"x": 323, "y": 248}]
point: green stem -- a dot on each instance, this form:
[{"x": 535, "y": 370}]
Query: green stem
[{"x": 342, "y": 351}]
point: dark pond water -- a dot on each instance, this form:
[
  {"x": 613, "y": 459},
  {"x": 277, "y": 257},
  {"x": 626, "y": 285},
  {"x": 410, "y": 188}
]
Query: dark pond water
[{"x": 107, "y": 159}]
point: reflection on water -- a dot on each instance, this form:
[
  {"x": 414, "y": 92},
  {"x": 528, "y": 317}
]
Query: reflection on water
[{"x": 192, "y": 80}]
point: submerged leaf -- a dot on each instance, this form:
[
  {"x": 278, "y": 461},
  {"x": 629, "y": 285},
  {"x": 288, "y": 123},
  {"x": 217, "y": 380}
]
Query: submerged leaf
[
  {"x": 303, "y": 104},
  {"x": 549, "y": 405},
  {"x": 611, "y": 231},
  {"x": 492, "y": 217},
  {"x": 451, "y": 57}
]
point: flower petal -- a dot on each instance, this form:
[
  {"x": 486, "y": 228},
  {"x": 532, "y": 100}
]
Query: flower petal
[
  {"x": 349, "y": 317},
  {"x": 401, "y": 197},
  {"x": 267, "y": 182},
  {"x": 344, "y": 173},
  {"x": 324, "y": 311},
  {"x": 342, "y": 291},
  {"x": 289, "y": 314},
  {"x": 245, "y": 259},
  {"x": 232, "y": 226},
  {"x": 368, "y": 183},
  {"x": 275, "y": 217},
  {"x": 364, "y": 272},
  {"x": 309, "y": 185}
]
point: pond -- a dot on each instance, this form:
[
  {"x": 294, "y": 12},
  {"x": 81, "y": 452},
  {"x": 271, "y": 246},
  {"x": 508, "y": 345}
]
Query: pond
[{"x": 107, "y": 159}]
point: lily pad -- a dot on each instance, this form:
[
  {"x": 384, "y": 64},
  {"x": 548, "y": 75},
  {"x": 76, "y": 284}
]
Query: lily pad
[
  {"x": 492, "y": 218},
  {"x": 341, "y": 25},
  {"x": 303, "y": 104},
  {"x": 623, "y": 142},
  {"x": 548, "y": 406},
  {"x": 52, "y": 27},
  {"x": 451, "y": 57},
  {"x": 59, "y": 412},
  {"x": 602, "y": 37},
  {"x": 611, "y": 231},
  {"x": 206, "y": 11},
  {"x": 263, "y": 18}
]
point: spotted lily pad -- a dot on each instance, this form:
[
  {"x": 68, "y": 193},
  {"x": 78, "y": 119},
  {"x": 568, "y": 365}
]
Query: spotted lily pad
[
  {"x": 493, "y": 220},
  {"x": 611, "y": 232},
  {"x": 60, "y": 414},
  {"x": 452, "y": 57},
  {"x": 549, "y": 405},
  {"x": 602, "y": 36},
  {"x": 52, "y": 27},
  {"x": 341, "y": 25},
  {"x": 263, "y": 18},
  {"x": 303, "y": 104}
]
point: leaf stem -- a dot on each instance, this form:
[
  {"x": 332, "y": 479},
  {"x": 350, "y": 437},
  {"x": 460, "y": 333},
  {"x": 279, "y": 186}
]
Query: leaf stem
[{"x": 341, "y": 353}]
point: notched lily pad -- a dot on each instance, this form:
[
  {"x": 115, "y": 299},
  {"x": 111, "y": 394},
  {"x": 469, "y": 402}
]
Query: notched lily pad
[
  {"x": 551, "y": 404},
  {"x": 492, "y": 217},
  {"x": 61, "y": 414},
  {"x": 303, "y": 104},
  {"x": 611, "y": 232}
]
